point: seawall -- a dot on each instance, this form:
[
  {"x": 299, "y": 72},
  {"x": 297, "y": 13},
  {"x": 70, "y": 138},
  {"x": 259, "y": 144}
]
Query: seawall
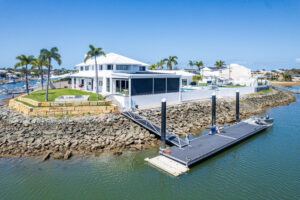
[{"x": 60, "y": 138}]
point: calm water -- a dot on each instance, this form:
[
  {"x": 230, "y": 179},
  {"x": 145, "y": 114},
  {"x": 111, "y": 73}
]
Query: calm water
[{"x": 266, "y": 166}]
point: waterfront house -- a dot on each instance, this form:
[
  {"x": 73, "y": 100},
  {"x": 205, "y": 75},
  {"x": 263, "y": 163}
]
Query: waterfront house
[{"x": 126, "y": 81}]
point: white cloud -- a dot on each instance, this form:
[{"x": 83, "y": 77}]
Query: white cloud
[{"x": 298, "y": 60}]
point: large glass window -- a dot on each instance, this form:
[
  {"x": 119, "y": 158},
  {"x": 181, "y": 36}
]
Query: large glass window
[
  {"x": 173, "y": 85},
  {"x": 122, "y": 67},
  {"x": 159, "y": 85},
  {"x": 100, "y": 67},
  {"x": 107, "y": 84},
  {"x": 142, "y": 68},
  {"x": 86, "y": 68},
  {"x": 122, "y": 86},
  {"x": 141, "y": 86},
  {"x": 109, "y": 67},
  {"x": 184, "y": 82},
  {"x": 93, "y": 68},
  {"x": 81, "y": 68}
]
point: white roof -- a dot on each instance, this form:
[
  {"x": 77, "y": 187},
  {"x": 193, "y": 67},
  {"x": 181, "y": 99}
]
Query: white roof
[
  {"x": 112, "y": 58},
  {"x": 177, "y": 72}
]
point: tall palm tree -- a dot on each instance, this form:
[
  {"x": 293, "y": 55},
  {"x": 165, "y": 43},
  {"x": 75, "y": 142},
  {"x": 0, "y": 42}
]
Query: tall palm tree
[
  {"x": 169, "y": 61},
  {"x": 93, "y": 53},
  {"x": 38, "y": 64},
  {"x": 48, "y": 55},
  {"x": 160, "y": 64},
  {"x": 199, "y": 65},
  {"x": 24, "y": 61},
  {"x": 220, "y": 64}
]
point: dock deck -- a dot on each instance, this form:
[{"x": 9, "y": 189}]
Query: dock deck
[{"x": 207, "y": 145}]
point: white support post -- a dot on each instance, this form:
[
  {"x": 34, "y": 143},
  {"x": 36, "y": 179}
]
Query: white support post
[
  {"x": 73, "y": 87},
  {"x": 129, "y": 92},
  {"x": 86, "y": 84},
  {"x": 180, "y": 94}
]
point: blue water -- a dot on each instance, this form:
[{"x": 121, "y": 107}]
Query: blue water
[
  {"x": 266, "y": 166},
  {"x": 11, "y": 86}
]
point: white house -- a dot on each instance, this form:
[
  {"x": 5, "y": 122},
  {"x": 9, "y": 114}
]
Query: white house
[
  {"x": 233, "y": 73},
  {"x": 126, "y": 81}
]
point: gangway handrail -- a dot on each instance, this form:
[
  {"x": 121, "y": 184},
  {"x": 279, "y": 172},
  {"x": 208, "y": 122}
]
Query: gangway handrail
[{"x": 154, "y": 128}]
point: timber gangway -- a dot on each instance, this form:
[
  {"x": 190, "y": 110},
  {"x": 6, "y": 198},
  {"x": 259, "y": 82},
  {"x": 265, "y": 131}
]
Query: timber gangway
[{"x": 171, "y": 137}]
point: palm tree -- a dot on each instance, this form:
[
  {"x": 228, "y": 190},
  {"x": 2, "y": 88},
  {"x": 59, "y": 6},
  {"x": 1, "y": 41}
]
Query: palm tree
[
  {"x": 199, "y": 65},
  {"x": 170, "y": 60},
  {"x": 152, "y": 67},
  {"x": 220, "y": 64},
  {"x": 160, "y": 64},
  {"x": 93, "y": 53},
  {"x": 39, "y": 63},
  {"x": 47, "y": 55},
  {"x": 24, "y": 62}
]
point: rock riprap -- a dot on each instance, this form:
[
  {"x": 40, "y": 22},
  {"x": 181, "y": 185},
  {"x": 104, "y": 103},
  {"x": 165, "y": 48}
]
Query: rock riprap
[{"x": 61, "y": 138}]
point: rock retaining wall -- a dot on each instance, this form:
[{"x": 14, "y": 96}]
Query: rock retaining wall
[
  {"x": 60, "y": 138},
  {"x": 62, "y": 110}
]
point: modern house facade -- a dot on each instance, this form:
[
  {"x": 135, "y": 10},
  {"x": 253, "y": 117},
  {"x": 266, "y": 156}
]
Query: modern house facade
[{"x": 126, "y": 81}]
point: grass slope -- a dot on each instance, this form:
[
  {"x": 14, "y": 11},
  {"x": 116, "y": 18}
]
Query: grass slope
[{"x": 54, "y": 93}]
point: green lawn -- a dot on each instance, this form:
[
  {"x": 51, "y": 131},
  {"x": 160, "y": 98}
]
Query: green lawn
[{"x": 40, "y": 94}]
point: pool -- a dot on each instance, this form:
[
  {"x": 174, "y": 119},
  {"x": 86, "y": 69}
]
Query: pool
[{"x": 186, "y": 89}]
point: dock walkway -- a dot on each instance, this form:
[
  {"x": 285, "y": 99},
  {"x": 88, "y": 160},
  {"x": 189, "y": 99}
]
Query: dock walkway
[{"x": 170, "y": 137}]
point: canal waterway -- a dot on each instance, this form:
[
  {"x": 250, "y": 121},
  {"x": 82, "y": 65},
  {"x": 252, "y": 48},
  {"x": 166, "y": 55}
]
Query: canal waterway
[{"x": 266, "y": 166}]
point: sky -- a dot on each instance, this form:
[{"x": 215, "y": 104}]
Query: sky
[{"x": 255, "y": 33}]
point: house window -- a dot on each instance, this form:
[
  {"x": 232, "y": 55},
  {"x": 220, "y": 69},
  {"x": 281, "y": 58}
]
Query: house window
[
  {"x": 109, "y": 67},
  {"x": 86, "y": 68},
  {"x": 93, "y": 68},
  {"x": 100, "y": 83},
  {"x": 184, "y": 82},
  {"x": 122, "y": 67},
  {"x": 100, "y": 67},
  {"x": 142, "y": 68},
  {"x": 81, "y": 68},
  {"x": 107, "y": 84},
  {"x": 82, "y": 82}
]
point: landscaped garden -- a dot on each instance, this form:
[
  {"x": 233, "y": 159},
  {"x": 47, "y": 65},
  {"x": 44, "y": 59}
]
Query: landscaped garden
[{"x": 54, "y": 93}]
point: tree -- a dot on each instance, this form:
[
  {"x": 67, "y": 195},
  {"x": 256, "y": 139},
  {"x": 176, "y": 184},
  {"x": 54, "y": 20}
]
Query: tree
[
  {"x": 152, "y": 67},
  {"x": 93, "y": 53},
  {"x": 24, "y": 61},
  {"x": 38, "y": 64},
  {"x": 171, "y": 60},
  {"x": 197, "y": 78},
  {"x": 160, "y": 64},
  {"x": 199, "y": 65},
  {"x": 220, "y": 64},
  {"x": 48, "y": 55}
]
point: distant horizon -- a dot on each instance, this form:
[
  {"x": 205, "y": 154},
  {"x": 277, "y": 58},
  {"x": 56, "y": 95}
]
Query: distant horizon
[{"x": 256, "y": 34}]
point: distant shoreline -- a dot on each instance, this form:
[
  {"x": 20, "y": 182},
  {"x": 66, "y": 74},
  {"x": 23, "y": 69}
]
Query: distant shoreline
[{"x": 286, "y": 83}]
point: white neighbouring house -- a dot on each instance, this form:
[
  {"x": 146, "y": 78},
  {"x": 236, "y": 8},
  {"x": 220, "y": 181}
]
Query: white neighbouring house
[
  {"x": 127, "y": 81},
  {"x": 233, "y": 73}
]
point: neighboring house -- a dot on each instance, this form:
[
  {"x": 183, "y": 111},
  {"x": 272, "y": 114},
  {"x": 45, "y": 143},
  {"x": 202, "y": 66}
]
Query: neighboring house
[
  {"x": 233, "y": 73},
  {"x": 296, "y": 77},
  {"x": 126, "y": 81}
]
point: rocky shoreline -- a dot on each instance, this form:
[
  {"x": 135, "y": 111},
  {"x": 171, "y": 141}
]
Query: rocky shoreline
[{"x": 61, "y": 138}]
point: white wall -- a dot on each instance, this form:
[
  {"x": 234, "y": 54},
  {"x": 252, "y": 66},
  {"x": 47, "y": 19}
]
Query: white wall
[
  {"x": 155, "y": 99},
  {"x": 206, "y": 93}
]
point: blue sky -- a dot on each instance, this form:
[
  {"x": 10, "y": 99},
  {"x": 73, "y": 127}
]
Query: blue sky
[{"x": 255, "y": 33}]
